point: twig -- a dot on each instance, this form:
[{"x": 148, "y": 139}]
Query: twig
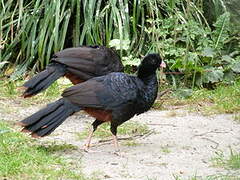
[
  {"x": 173, "y": 73},
  {"x": 163, "y": 92},
  {"x": 216, "y": 143},
  {"x": 122, "y": 138},
  {"x": 202, "y": 134},
  {"x": 147, "y": 134},
  {"x": 159, "y": 124},
  {"x": 108, "y": 141}
]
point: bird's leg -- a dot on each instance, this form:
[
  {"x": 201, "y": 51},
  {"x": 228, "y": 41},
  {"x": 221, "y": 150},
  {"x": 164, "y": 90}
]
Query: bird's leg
[
  {"x": 95, "y": 124},
  {"x": 88, "y": 142},
  {"x": 115, "y": 141}
]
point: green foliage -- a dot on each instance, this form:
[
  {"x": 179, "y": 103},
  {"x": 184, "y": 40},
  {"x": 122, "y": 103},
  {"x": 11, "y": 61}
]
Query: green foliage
[
  {"x": 183, "y": 93},
  {"x": 212, "y": 75},
  {"x": 31, "y": 31},
  {"x": 194, "y": 49}
]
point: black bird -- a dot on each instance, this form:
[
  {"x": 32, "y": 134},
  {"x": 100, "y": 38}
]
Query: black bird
[
  {"x": 115, "y": 97},
  {"x": 77, "y": 64}
]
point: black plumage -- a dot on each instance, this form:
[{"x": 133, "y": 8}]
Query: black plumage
[
  {"x": 115, "y": 97},
  {"x": 78, "y": 64}
]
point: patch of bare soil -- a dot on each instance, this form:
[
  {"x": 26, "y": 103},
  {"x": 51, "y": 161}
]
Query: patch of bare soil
[{"x": 182, "y": 144}]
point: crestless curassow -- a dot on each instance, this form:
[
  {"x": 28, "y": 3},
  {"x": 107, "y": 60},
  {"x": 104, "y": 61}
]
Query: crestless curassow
[{"x": 115, "y": 97}]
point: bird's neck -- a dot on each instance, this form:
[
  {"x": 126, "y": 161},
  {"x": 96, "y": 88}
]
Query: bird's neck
[
  {"x": 145, "y": 72},
  {"x": 148, "y": 93},
  {"x": 149, "y": 78},
  {"x": 151, "y": 85},
  {"x": 147, "y": 75}
]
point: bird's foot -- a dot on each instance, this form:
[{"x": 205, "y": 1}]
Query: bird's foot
[{"x": 86, "y": 147}]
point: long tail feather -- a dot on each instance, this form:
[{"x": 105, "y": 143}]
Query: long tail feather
[
  {"x": 45, "y": 121},
  {"x": 44, "y": 79}
]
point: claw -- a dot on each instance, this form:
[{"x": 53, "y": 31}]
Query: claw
[{"x": 86, "y": 147}]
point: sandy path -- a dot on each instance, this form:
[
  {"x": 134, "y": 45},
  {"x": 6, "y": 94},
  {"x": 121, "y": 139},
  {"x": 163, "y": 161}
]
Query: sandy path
[{"x": 182, "y": 145}]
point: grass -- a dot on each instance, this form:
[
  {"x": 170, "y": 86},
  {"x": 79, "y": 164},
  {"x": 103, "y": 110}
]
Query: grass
[
  {"x": 223, "y": 177},
  {"x": 22, "y": 158},
  {"x": 52, "y": 148},
  {"x": 230, "y": 162},
  {"x": 214, "y": 177},
  {"x": 190, "y": 178},
  {"x": 131, "y": 143},
  {"x": 127, "y": 129},
  {"x": 236, "y": 117},
  {"x": 12, "y": 90},
  {"x": 223, "y": 99},
  {"x": 165, "y": 149}
]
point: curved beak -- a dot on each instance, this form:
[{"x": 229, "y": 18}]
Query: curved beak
[{"x": 163, "y": 64}]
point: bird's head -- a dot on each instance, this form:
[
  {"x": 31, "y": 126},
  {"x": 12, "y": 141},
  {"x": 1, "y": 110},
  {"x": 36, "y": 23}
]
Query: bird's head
[{"x": 150, "y": 64}]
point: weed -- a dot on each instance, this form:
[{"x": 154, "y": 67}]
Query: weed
[
  {"x": 165, "y": 149},
  {"x": 176, "y": 177},
  {"x": 236, "y": 117},
  {"x": 222, "y": 177},
  {"x": 212, "y": 177},
  {"x": 231, "y": 162},
  {"x": 51, "y": 148},
  {"x": 234, "y": 160},
  {"x": 158, "y": 104},
  {"x": 130, "y": 143}
]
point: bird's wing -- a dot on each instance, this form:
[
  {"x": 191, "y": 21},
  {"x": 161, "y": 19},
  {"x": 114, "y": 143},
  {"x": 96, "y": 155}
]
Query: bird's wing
[
  {"x": 89, "y": 61},
  {"x": 105, "y": 92}
]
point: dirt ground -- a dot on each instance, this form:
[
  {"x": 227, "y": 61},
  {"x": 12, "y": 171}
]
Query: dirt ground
[{"x": 180, "y": 144}]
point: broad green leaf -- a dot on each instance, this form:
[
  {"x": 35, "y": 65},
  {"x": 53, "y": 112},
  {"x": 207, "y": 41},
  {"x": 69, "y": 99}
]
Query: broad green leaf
[
  {"x": 3, "y": 63},
  {"x": 117, "y": 44},
  {"x": 229, "y": 76},
  {"x": 227, "y": 58},
  {"x": 213, "y": 75},
  {"x": 184, "y": 93},
  {"x": 236, "y": 67},
  {"x": 208, "y": 52},
  {"x": 131, "y": 61}
]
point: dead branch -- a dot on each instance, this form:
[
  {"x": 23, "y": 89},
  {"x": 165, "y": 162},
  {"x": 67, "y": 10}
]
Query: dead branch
[
  {"x": 203, "y": 134},
  {"x": 216, "y": 143},
  {"x": 108, "y": 141},
  {"x": 159, "y": 124}
]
